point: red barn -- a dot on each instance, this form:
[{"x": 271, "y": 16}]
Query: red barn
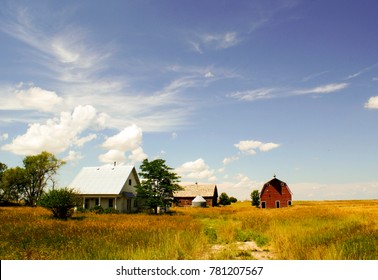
[{"x": 275, "y": 194}]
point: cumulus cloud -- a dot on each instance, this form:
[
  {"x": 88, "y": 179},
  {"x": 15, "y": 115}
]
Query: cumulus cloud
[
  {"x": 38, "y": 98},
  {"x": 228, "y": 160},
  {"x": 249, "y": 146},
  {"x": 56, "y": 135},
  {"x": 372, "y": 103},
  {"x": 127, "y": 140},
  {"x": 197, "y": 169}
]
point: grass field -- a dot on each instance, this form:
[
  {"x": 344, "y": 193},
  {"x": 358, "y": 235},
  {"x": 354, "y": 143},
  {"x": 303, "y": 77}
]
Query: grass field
[{"x": 339, "y": 230}]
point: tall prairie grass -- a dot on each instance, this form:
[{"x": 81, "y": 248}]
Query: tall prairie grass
[{"x": 340, "y": 230}]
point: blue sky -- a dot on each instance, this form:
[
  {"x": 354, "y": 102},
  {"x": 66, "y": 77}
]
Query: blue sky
[{"x": 227, "y": 92}]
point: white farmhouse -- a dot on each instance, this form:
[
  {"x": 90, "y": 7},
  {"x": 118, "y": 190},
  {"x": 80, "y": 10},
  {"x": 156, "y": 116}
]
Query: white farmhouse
[{"x": 108, "y": 187}]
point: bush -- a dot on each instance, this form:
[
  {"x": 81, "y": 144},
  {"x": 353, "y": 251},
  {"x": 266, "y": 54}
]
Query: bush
[
  {"x": 61, "y": 202},
  {"x": 111, "y": 210},
  {"x": 97, "y": 209}
]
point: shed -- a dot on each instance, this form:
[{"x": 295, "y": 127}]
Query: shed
[
  {"x": 275, "y": 194},
  {"x": 199, "y": 201},
  {"x": 108, "y": 187},
  {"x": 208, "y": 191}
]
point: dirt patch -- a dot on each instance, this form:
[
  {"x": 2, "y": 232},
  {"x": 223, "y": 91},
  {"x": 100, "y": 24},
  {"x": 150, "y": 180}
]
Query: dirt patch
[{"x": 241, "y": 250}]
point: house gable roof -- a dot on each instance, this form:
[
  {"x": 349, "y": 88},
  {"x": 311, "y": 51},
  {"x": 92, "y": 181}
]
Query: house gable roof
[
  {"x": 197, "y": 190},
  {"x": 102, "y": 180}
]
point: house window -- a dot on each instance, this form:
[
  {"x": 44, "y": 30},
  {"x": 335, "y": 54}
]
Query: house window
[
  {"x": 289, "y": 203},
  {"x": 277, "y": 204},
  {"x": 263, "y": 204},
  {"x": 110, "y": 202},
  {"x": 130, "y": 182}
]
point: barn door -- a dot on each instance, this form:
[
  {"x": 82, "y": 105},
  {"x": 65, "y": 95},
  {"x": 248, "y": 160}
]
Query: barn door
[
  {"x": 277, "y": 204},
  {"x": 263, "y": 204}
]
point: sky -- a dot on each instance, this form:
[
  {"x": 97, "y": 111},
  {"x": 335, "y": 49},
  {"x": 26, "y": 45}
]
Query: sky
[{"x": 226, "y": 92}]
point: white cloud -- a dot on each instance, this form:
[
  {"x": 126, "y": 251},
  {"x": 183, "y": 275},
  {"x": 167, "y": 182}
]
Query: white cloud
[
  {"x": 324, "y": 89},
  {"x": 251, "y": 95},
  {"x": 196, "y": 170},
  {"x": 361, "y": 71},
  {"x": 209, "y": 75},
  {"x": 81, "y": 141},
  {"x": 56, "y": 135},
  {"x": 221, "y": 41},
  {"x": 265, "y": 147},
  {"x": 127, "y": 140},
  {"x": 78, "y": 69},
  {"x": 38, "y": 98},
  {"x": 249, "y": 146},
  {"x": 228, "y": 160},
  {"x": 137, "y": 155},
  {"x": 113, "y": 156},
  {"x": 4, "y": 136},
  {"x": 240, "y": 186},
  {"x": 372, "y": 103},
  {"x": 73, "y": 156}
]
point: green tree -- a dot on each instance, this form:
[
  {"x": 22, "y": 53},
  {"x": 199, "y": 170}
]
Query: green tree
[
  {"x": 40, "y": 170},
  {"x": 3, "y": 168},
  {"x": 158, "y": 184},
  {"x": 60, "y": 201},
  {"x": 224, "y": 199},
  {"x": 13, "y": 182},
  {"x": 255, "y": 196}
]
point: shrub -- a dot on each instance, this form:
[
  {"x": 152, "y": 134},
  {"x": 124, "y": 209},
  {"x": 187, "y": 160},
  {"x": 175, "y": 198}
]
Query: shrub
[
  {"x": 61, "y": 202},
  {"x": 97, "y": 209}
]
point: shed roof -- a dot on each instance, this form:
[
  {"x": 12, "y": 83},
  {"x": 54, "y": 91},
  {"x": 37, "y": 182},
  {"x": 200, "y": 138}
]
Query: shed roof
[
  {"x": 102, "y": 180},
  {"x": 196, "y": 189}
]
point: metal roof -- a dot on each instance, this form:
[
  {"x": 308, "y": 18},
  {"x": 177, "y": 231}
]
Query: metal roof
[
  {"x": 102, "y": 180},
  {"x": 199, "y": 198}
]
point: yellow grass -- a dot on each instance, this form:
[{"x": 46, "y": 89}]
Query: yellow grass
[{"x": 308, "y": 230}]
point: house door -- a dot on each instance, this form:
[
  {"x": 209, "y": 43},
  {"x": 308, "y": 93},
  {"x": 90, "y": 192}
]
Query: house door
[
  {"x": 277, "y": 204},
  {"x": 128, "y": 205}
]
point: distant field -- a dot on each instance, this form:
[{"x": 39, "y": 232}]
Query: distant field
[{"x": 339, "y": 230}]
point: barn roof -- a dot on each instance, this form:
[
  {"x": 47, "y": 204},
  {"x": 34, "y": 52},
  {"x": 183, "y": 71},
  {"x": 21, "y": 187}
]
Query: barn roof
[
  {"x": 102, "y": 180},
  {"x": 276, "y": 184},
  {"x": 196, "y": 189}
]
